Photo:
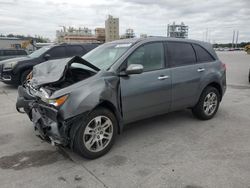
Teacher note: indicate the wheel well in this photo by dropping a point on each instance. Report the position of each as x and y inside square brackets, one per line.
[108, 105]
[217, 86]
[22, 71]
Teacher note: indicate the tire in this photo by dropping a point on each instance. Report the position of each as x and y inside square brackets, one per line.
[211, 97]
[24, 76]
[91, 140]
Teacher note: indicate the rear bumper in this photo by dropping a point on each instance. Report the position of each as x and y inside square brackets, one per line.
[46, 119]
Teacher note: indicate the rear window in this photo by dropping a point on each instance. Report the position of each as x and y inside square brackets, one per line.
[202, 54]
[180, 54]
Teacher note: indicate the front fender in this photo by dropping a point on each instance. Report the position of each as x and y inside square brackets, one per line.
[86, 98]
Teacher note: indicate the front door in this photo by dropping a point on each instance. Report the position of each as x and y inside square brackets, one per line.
[149, 93]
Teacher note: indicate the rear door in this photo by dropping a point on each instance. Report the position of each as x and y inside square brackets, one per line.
[186, 74]
[149, 93]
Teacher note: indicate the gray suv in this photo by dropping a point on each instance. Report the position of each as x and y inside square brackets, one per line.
[85, 102]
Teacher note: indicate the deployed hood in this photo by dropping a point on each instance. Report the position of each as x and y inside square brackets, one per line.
[54, 70]
[17, 59]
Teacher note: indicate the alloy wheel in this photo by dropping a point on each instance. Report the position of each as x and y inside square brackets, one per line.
[210, 103]
[98, 133]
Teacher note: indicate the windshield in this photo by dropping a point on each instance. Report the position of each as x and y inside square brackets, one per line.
[105, 55]
[39, 52]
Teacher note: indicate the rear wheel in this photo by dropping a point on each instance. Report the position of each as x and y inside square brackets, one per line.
[96, 134]
[24, 76]
[208, 104]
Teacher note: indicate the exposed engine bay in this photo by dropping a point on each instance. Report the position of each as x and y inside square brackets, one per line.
[51, 76]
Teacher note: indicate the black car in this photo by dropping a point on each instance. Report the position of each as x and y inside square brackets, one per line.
[14, 71]
[11, 53]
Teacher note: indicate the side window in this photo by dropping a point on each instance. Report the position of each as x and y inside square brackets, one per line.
[180, 54]
[57, 52]
[151, 56]
[202, 54]
[21, 52]
[75, 50]
[9, 52]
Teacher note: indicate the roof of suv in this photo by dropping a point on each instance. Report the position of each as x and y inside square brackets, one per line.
[157, 38]
[205, 45]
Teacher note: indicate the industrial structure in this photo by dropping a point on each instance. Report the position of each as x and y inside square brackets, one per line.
[143, 35]
[177, 30]
[128, 34]
[111, 28]
[75, 35]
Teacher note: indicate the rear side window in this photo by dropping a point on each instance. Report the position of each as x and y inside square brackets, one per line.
[75, 51]
[202, 55]
[58, 52]
[151, 56]
[180, 54]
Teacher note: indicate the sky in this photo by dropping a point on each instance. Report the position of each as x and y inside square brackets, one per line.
[219, 18]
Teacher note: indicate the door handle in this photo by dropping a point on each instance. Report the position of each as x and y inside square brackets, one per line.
[200, 69]
[163, 77]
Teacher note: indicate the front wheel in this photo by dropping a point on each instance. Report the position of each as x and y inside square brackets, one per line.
[208, 104]
[96, 134]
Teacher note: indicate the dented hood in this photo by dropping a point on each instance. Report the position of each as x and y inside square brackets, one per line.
[54, 70]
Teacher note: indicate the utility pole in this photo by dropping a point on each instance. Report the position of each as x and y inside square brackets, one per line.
[236, 40]
[206, 34]
[233, 39]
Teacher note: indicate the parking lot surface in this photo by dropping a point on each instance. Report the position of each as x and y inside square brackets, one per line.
[173, 150]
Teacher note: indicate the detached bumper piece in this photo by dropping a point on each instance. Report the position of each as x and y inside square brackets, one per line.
[44, 118]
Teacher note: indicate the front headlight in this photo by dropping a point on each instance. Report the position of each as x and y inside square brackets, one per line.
[9, 65]
[56, 102]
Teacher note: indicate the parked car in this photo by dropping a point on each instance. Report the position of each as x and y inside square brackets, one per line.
[84, 102]
[14, 71]
[11, 53]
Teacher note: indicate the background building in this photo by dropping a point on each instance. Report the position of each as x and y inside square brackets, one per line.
[177, 31]
[100, 34]
[111, 28]
[75, 35]
[16, 43]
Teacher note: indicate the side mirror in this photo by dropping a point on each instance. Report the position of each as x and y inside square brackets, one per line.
[134, 69]
[46, 57]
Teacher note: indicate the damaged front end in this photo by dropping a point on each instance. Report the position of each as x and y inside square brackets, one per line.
[38, 99]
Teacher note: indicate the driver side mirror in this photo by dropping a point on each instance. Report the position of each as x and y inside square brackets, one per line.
[134, 69]
[46, 57]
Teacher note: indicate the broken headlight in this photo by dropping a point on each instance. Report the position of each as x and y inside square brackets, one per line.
[56, 102]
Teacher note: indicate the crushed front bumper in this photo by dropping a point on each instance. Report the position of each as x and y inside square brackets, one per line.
[45, 118]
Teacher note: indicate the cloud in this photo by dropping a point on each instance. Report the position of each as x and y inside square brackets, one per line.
[39, 17]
